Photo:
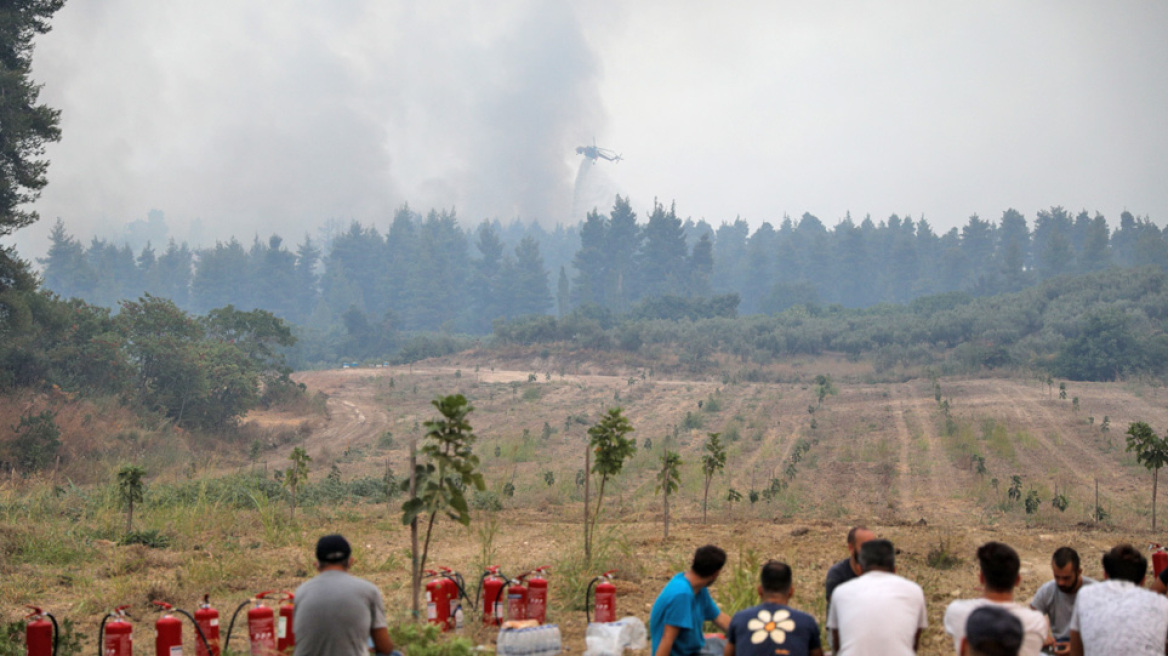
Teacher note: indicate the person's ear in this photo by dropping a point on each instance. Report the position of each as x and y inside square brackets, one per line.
[1018, 581]
[791, 592]
[964, 651]
[759, 588]
[981, 578]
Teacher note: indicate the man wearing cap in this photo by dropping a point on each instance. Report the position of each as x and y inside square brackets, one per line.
[991, 631]
[336, 612]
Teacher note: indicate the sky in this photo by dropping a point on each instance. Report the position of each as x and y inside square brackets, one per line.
[244, 118]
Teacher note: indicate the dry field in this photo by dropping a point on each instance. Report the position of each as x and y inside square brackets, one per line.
[880, 454]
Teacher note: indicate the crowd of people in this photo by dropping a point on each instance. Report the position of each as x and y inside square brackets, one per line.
[871, 610]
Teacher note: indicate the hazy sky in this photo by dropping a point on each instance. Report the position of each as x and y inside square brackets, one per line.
[260, 117]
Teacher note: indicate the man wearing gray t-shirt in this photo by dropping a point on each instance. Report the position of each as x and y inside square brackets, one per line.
[1056, 598]
[337, 613]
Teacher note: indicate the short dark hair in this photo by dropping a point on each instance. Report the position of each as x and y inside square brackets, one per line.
[993, 631]
[999, 565]
[775, 577]
[852, 533]
[1126, 563]
[878, 554]
[1064, 555]
[708, 560]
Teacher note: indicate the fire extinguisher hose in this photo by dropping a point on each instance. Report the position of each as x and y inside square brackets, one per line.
[56, 632]
[587, 596]
[198, 629]
[479, 591]
[458, 583]
[101, 635]
[231, 625]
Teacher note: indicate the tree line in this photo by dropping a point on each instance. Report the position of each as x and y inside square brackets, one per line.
[430, 273]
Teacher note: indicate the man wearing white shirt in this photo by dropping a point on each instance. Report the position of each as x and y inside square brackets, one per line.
[879, 613]
[999, 575]
[1118, 616]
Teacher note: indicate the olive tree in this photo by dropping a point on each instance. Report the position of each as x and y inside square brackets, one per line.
[607, 440]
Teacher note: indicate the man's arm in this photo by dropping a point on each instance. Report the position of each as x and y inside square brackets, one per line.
[667, 638]
[835, 645]
[722, 621]
[382, 643]
[729, 650]
[917, 641]
[1076, 644]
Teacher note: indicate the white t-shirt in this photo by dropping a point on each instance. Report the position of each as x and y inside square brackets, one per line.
[1119, 617]
[877, 614]
[1035, 628]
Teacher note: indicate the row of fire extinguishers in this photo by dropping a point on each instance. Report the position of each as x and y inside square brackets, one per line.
[270, 631]
[499, 597]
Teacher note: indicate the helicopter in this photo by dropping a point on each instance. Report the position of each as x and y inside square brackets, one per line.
[594, 153]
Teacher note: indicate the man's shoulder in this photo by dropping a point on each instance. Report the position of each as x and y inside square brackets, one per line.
[841, 569]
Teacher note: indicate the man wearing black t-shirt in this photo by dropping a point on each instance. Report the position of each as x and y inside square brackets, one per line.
[848, 568]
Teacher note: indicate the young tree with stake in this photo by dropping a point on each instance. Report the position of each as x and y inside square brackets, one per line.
[440, 484]
[608, 442]
[668, 480]
[1151, 451]
[713, 462]
[131, 490]
[295, 476]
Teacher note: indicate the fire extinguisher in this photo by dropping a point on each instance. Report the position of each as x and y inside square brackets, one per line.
[41, 635]
[605, 596]
[456, 588]
[207, 619]
[491, 585]
[439, 591]
[285, 632]
[168, 632]
[517, 599]
[1159, 559]
[261, 628]
[537, 595]
[116, 635]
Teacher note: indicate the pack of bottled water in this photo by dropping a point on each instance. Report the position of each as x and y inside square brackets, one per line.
[537, 641]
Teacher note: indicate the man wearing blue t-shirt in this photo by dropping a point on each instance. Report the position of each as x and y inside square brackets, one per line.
[773, 628]
[681, 609]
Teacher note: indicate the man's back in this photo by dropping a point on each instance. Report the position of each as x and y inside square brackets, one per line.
[335, 613]
[770, 628]
[1034, 625]
[879, 614]
[1119, 617]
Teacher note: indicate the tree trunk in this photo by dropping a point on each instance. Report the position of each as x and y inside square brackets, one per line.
[705, 497]
[1155, 481]
[666, 539]
[130, 518]
[587, 486]
[415, 573]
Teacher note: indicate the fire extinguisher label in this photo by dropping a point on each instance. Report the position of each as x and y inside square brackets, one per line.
[499, 609]
[176, 650]
[282, 629]
[431, 611]
[214, 622]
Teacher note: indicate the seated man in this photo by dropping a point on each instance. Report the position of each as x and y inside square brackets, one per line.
[999, 575]
[848, 568]
[1117, 616]
[685, 605]
[773, 627]
[1056, 598]
[991, 631]
[879, 613]
[337, 613]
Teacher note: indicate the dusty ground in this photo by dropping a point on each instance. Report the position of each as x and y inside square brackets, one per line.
[880, 454]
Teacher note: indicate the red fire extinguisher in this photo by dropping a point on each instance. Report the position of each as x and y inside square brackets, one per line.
[1159, 559]
[285, 632]
[517, 599]
[40, 634]
[116, 635]
[167, 632]
[491, 584]
[440, 590]
[207, 619]
[261, 628]
[605, 598]
[537, 595]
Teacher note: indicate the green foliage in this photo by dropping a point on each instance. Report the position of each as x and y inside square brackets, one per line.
[1032, 502]
[669, 477]
[611, 448]
[942, 556]
[130, 490]
[12, 639]
[733, 496]
[712, 404]
[1060, 502]
[151, 538]
[1062, 391]
[713, 461]
[508, 489]
[37, 442]
[693, 421]
[385, 440]
[549, 478]
[487, 500]
[824, 387]
[1015, 491]
[428, 640]
[1151, 451]
[296, 474]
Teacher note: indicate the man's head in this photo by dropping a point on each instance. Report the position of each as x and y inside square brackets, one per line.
[708, 562]
[999, 566]
[775, 579]
[333, 551]
[992, 631]
[1068, 575]
[879, 555]
[856, 539]
[1125, 563]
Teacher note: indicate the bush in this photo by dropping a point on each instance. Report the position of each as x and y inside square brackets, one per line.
[427, 640]
[941, 556]
[151, 538]
[37, 442]
[487, 500]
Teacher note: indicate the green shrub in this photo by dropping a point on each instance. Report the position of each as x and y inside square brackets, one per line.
[151, 538]
[427, 640]
[487, 500]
